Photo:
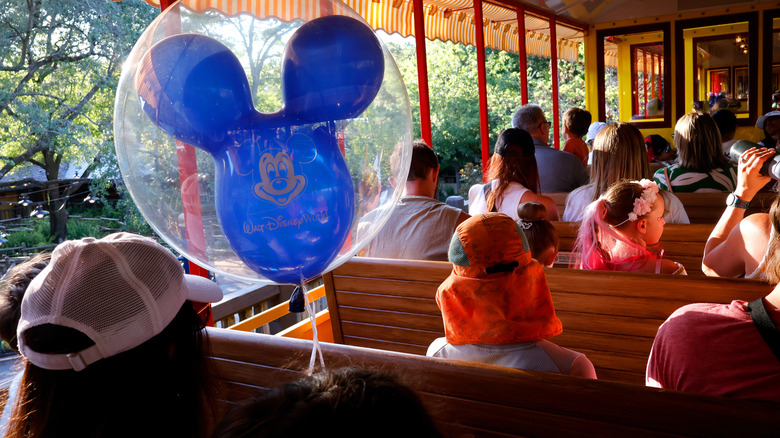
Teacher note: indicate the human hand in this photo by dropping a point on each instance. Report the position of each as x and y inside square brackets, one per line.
[750, 180]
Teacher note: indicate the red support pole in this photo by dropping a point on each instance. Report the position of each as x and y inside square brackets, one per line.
[653, 77]
[190, 193]
[521, 49]
[661, 78]
[554, 73]
[644, 77]
[484, 130]
[422, 72]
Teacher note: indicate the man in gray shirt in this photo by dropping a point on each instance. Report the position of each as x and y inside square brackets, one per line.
[558, 171]
[420, 227]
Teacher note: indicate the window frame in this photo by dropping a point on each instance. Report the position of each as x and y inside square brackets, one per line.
[766, 91]
[682, 99]
[664, 27]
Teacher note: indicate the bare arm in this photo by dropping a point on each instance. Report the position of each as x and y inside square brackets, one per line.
[549, 204]
[724, 253]
[463, 216]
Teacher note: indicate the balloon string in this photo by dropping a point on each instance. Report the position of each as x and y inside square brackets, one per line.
[316, 349]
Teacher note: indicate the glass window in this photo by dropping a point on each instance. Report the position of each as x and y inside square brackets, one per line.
[647, 74]
[717, 65]
[634, 69]
[722, 79]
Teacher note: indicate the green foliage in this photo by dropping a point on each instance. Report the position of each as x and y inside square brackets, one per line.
[59, 69]
[453, 84]
[469, 175]
[78, 228]
[32, 233]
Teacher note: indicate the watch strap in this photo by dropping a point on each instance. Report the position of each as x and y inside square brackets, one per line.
[738, 203]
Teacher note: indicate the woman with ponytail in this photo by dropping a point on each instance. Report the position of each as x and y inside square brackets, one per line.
[621, 231]
[513, 178]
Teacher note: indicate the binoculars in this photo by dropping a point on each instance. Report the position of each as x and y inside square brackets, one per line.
[770, 168]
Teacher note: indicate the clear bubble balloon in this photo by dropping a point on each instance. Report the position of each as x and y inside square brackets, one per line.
[254, 145]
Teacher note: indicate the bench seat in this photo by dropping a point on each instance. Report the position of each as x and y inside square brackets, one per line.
[612, 317]
[474, 400]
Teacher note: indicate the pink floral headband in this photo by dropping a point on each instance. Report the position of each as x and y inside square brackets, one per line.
[644, 203]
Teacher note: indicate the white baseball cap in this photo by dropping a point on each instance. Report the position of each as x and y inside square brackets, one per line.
[594, 129]
[762, 119]
[120, 291]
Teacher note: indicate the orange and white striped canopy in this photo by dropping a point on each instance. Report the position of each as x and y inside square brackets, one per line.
[446, 20]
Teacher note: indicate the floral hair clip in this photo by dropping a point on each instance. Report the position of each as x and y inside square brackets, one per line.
[644, 203]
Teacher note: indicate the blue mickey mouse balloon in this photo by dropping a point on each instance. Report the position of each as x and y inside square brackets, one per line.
[284, 195]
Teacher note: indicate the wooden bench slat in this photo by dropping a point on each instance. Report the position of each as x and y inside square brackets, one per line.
[393, 319]
[386, 345]
[470, 414]
[419, 271]
[406, 289]
[425, 306]
[595, 323]
[614, 343]
[403, 335]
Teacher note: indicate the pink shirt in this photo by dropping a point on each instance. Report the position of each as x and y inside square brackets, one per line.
[715, 349]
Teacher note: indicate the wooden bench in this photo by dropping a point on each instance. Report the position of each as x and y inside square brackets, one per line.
[683, 243]
[474, 400]
[612, 317]
[702, 208]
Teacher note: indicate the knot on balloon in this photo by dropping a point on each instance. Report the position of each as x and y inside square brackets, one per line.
[283, 192]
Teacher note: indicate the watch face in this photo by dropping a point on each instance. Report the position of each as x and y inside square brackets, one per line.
[730, 199]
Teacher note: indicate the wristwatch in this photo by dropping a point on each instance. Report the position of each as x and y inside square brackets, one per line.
[734, 201]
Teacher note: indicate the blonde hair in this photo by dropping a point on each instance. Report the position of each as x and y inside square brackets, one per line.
[698, 142]
[619, 153]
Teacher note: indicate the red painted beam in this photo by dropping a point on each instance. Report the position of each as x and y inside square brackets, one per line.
[484, 129]
[554, 74]
[422, 72]
[521, 49]
[190, 193]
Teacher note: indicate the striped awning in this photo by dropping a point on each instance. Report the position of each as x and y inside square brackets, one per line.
[445, 20]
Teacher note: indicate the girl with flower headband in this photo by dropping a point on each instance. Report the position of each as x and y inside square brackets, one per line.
[618, 228]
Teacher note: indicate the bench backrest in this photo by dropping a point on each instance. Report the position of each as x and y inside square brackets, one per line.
[702, 208]
[612, 317]
[682, 243]
[467, 400]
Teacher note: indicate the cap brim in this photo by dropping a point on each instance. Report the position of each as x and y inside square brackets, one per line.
[761, 120]
[202, 289]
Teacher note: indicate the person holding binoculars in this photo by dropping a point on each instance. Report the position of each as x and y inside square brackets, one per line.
[746, 246]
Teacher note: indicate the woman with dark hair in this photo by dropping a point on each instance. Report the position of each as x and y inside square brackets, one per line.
[513, 178]
[701, 165]
[113, 345]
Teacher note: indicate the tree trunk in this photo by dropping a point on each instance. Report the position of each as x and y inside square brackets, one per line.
[59, 224]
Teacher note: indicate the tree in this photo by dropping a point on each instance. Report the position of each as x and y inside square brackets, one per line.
[453, 83]
[59, 68]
